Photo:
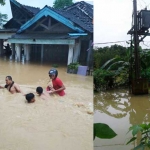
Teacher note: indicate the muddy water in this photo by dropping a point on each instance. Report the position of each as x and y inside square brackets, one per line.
[60, 123]
[120, 110]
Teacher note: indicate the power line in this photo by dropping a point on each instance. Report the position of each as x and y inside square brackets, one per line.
[112, 42]
[140, 4]
[144, 2]
[148, 5]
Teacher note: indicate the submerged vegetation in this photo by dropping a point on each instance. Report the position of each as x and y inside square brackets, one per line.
[114, 66]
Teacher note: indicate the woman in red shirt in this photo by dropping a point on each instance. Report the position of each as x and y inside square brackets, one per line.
[58, 86]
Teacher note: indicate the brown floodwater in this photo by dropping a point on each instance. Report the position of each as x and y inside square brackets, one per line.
[120, 110]
[60, 123]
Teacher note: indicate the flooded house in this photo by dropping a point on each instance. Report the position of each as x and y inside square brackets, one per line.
[60, 36]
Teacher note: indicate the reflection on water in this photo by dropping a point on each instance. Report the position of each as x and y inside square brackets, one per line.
[120, 110]
[60, 123]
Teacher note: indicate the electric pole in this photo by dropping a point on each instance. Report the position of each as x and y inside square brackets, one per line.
[140, 27]
[136, 42]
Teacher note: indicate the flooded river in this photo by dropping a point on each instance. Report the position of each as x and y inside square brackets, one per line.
[60, 123]
[120, 110]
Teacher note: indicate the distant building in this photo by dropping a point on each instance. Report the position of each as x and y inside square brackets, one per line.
[58, 36]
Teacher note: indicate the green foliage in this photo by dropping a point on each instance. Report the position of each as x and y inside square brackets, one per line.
[102, 55]
[2, 2]
[55, 65]
[3, 19]
[103, 78]
[62, 3]
[103, 131]
[73, 66]
[144, 130]
[145, 73]
[121, 62]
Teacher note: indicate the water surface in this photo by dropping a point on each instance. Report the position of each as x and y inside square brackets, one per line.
[60, 123]
[120, 110]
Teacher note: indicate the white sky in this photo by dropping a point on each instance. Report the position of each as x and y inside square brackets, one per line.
[112, 20]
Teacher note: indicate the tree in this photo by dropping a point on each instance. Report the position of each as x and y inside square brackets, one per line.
[62, 3]
[3, 19]
[2, 2]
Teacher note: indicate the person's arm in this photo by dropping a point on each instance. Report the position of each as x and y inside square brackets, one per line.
[18, 89]
[51, 88]
[2, 87]
[60, 89]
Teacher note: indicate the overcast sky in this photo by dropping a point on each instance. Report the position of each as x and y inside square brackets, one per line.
[112, 20]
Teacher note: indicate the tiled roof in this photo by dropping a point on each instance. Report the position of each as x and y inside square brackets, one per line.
[81, 13]
[86, 8]
[30, 9]
[12, 24]
[34, 10]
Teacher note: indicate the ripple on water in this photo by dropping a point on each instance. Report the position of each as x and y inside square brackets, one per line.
[53, 124]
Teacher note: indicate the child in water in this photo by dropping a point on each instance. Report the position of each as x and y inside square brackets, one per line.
[30, 98]
[43, 94]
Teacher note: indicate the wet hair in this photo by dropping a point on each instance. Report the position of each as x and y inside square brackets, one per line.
[53, 72]
[39, 90]
[9, 77]
[29, 97]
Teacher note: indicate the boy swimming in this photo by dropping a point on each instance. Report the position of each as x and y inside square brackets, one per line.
[30, 97]
[43, 94]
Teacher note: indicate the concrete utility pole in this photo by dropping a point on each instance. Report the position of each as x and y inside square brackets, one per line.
[140, 27]
[136, 42]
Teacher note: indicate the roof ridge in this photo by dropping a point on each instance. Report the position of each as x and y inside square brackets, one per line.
[86, 3]
[24, 6]
[77, 5]
[30, 6]
[80, 2]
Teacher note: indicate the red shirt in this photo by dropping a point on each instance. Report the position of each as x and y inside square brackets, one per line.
[57, 83]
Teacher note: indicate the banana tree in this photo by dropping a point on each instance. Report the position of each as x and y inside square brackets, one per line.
[120, 67]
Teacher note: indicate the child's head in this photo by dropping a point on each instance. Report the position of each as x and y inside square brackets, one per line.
[53, 73]
[30, 98]
[39, 90]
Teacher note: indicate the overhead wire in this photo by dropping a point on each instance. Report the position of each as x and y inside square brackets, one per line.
[143, 1]
[112, 42]
[139, 3]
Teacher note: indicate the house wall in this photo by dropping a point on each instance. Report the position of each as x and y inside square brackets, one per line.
[51, 53]
[84, 52]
